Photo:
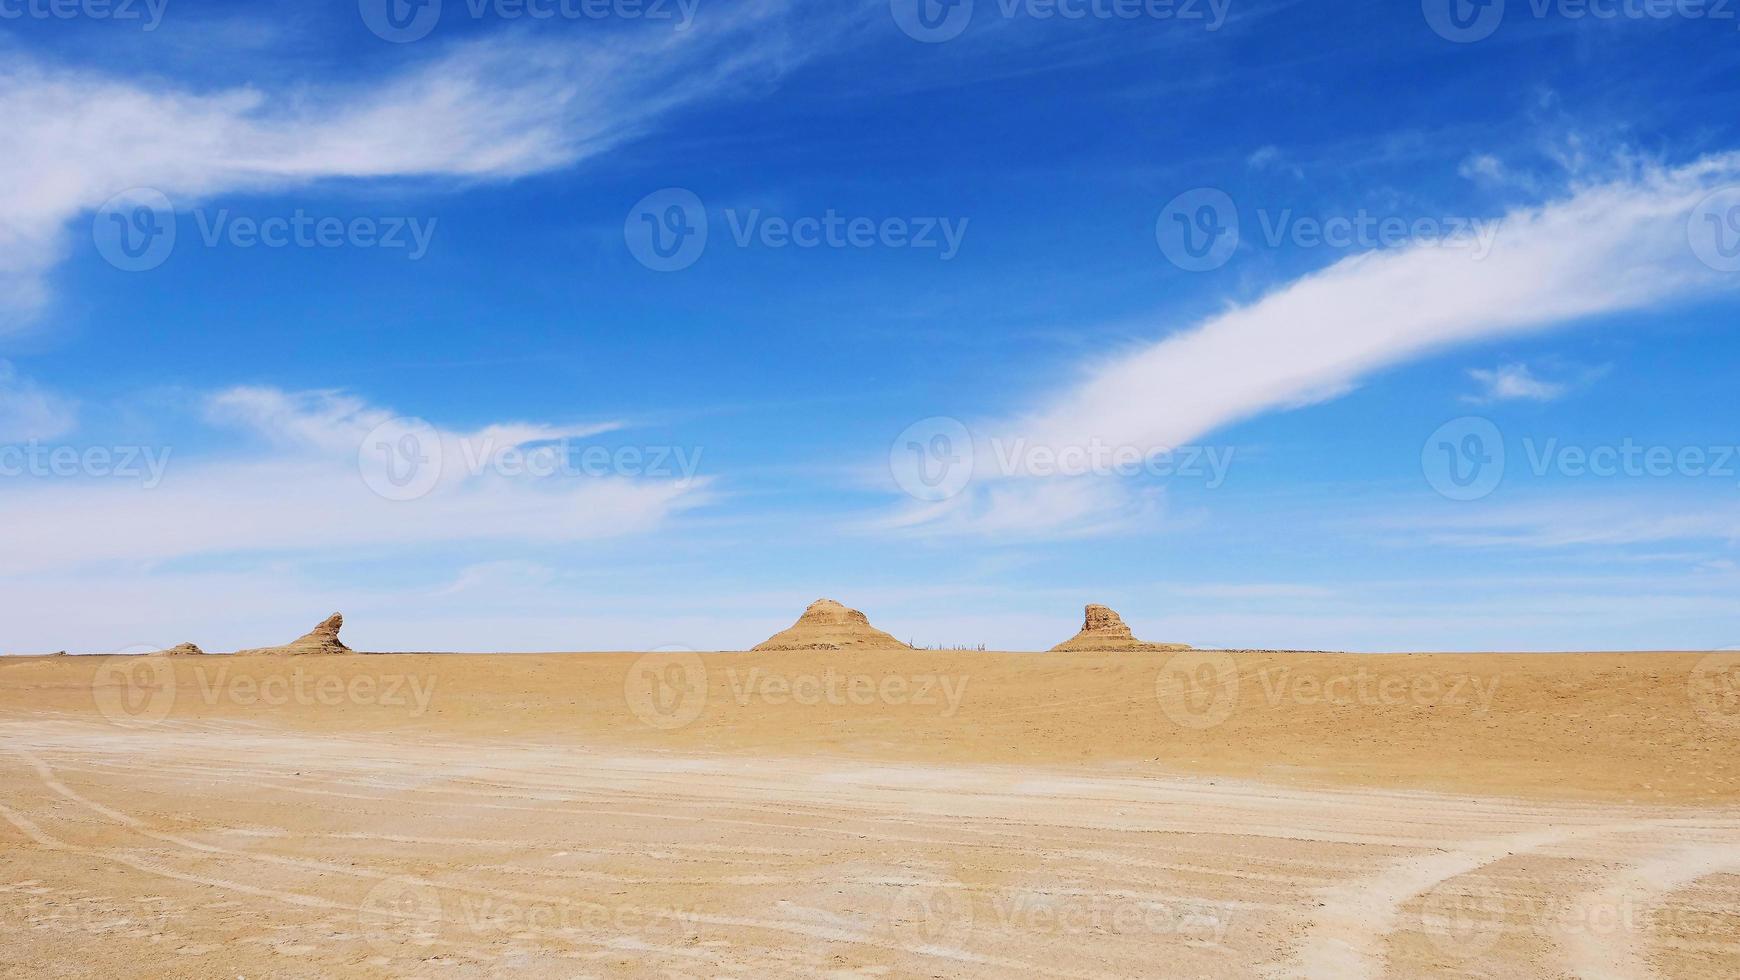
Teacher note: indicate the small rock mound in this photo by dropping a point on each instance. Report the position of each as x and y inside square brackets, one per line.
[1104, 630]
[181, 650]
[322, 640]
[828, 625]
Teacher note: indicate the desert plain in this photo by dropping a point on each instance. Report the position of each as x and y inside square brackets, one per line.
[871, 813]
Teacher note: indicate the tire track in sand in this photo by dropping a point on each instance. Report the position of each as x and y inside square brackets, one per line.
[1347, 936]
[46, 775]
[1592, 953]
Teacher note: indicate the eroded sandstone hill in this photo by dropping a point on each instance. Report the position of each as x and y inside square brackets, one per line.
[323, 639]
[1104, 630]
[828, 625]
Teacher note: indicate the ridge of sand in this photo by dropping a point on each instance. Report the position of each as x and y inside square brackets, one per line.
[322, 640]
[1615, 727]
[1104, 630]
[828, 625]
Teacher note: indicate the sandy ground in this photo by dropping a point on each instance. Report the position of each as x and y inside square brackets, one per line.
[871, 815]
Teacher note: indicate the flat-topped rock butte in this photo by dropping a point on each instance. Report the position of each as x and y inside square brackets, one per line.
[1103, 630]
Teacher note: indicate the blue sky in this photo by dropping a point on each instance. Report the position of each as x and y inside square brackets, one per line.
[1022, 187]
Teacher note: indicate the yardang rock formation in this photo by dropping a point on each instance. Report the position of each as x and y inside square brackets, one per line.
[1104, 631]
[322, 640]
[827, 625]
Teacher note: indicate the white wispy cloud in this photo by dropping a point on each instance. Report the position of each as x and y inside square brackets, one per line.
[1519, 382]
[1484, 167]
[1602, 248]
[1256, 590]
[495, 108]
[1270, 159]
[30, 412]
[1566, 523]
[336, 422]
[314, 483]
[1083, 506]
[1510, 382]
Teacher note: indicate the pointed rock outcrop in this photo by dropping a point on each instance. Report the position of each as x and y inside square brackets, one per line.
[1104, 630]
[181, 650]
[323, 639]
[828, 625]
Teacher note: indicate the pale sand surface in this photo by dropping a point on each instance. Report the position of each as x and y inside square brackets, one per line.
[923, 815]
